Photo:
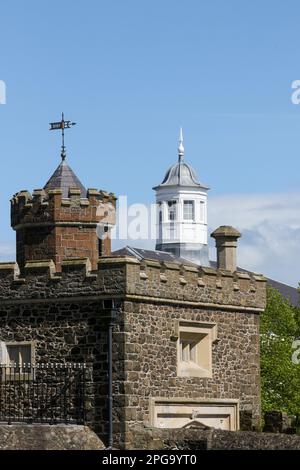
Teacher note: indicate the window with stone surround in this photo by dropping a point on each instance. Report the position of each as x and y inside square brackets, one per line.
[194, 348]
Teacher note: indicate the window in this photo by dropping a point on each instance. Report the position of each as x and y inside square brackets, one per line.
[160, 225]
[188, 210]
[172, 210]
[202, 212]
[18, 354]
[172, 213]
[18, 357]
[188, 349]
[195, 348]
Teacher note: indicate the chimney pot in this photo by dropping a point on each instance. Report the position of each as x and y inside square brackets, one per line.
[226, 243]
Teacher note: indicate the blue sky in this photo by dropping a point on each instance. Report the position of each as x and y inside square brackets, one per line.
[130, 73]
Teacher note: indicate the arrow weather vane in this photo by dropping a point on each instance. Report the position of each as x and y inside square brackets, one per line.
[62, 125]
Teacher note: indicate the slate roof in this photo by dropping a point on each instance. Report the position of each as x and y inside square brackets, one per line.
[289, 292]
[156, 255]
[64, 178]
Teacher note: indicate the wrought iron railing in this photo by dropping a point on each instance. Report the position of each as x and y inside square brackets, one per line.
[43, 393]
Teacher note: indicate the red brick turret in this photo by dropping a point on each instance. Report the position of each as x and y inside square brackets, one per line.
[60, 221]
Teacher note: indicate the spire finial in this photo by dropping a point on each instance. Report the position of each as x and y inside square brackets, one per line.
[180, 146]
[62, 125]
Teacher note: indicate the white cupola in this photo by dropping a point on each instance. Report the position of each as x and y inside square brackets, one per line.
[182, 212]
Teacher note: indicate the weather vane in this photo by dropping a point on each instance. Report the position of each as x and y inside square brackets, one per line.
[62, 125]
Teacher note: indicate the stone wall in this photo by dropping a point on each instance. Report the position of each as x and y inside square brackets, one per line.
[121, 276]
[66, 332]
[151, 359]
[209, 439]
[177, 282]
[66, 314]
[45, 437]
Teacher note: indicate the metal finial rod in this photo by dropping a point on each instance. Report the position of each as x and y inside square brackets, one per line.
[180, 146]
[63, 148]
[62, 125]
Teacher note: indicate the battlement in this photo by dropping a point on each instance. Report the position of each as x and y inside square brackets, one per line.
[41, 207]
[49, 226]
[127, 277]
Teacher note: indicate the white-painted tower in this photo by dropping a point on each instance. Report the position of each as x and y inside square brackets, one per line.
[182, 212]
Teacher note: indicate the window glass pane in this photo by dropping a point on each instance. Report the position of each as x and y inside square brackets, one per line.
[202, 210]
[172, 213]
[193, 351]
[13, 354]
[25, 354]
[185, 351]
[188, 210]
[172, 210]
[19, 354]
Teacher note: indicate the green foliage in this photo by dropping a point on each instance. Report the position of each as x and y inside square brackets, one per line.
[280, 378]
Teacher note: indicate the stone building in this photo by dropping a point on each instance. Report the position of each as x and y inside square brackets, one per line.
[186, 336]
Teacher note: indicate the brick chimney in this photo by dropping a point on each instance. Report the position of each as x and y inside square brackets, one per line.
[226, 243]
[60, 221]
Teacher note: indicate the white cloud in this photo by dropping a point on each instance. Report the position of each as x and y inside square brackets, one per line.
[270, 226]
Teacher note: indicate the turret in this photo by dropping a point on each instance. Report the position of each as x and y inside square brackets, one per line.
[182, 212]
[60, 221]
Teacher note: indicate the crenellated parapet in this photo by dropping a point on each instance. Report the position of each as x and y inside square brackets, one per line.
[127, 277]
[43, 207]
[50, 226]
